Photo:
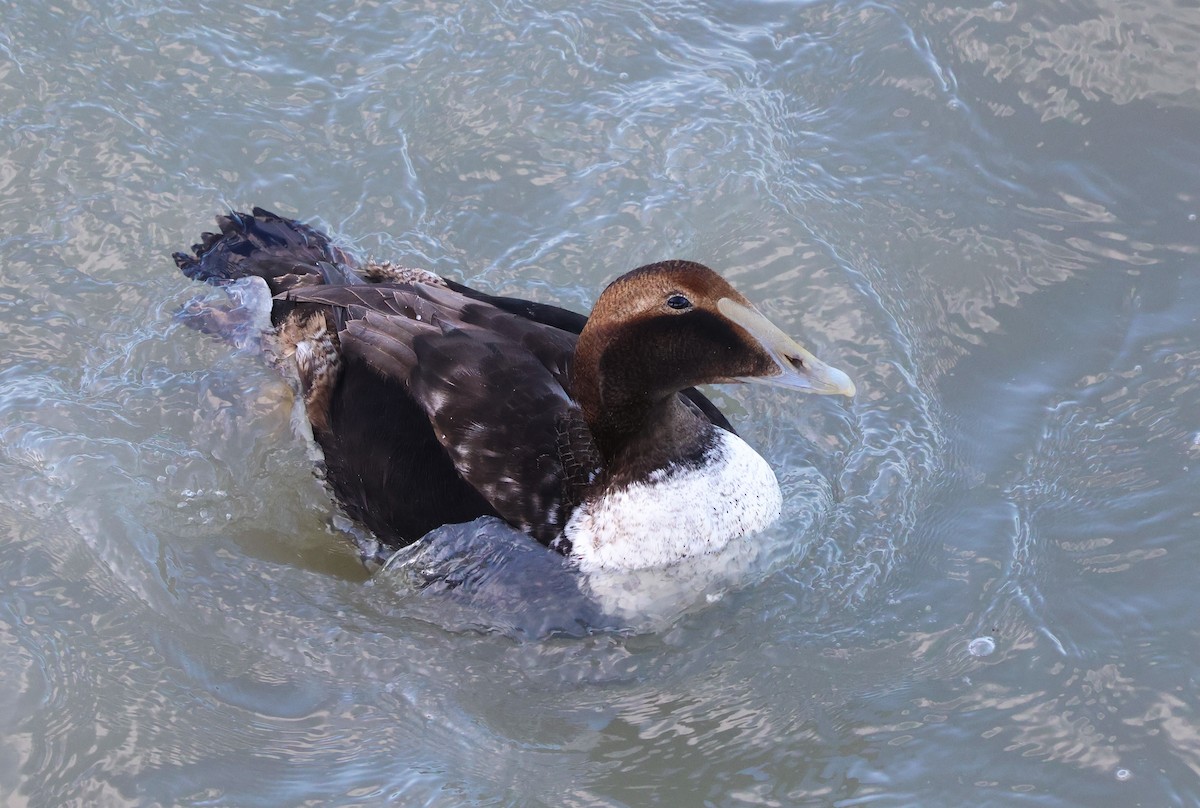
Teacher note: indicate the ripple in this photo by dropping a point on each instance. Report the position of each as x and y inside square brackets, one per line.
[942, 200]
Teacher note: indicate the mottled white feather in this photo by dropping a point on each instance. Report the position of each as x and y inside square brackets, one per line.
[680, 512]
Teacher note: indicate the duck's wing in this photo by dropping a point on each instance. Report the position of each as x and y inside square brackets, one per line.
[491, 383]
[573, 322]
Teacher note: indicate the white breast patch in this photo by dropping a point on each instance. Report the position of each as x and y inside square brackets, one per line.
[679, 513]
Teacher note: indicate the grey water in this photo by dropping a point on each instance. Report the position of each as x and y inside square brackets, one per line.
[983, 590]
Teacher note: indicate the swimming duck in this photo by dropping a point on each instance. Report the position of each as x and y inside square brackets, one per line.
[434, 403]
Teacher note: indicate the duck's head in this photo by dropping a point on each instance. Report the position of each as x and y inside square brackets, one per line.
[672, 325]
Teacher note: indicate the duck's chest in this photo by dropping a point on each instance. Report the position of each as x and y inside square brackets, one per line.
[679, 512]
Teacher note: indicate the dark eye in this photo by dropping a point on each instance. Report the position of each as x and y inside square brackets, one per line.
[679, 302]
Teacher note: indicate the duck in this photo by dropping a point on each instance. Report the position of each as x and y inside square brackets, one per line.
[434, 403]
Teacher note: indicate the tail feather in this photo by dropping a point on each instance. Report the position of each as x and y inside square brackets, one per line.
[284, 255]
[283, 252]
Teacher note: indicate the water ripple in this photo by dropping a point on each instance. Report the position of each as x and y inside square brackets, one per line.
[941, 199]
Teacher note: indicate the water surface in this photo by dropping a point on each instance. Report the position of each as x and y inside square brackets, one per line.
[982, 590]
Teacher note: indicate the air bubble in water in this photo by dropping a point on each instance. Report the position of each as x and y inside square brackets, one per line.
[981, 646]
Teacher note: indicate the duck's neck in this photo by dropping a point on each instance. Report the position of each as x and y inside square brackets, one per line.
[634, 416]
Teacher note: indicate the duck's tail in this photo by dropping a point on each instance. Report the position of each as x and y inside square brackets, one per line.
[256, 257]
[282, 252]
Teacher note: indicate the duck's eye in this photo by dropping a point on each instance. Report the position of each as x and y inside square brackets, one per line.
[679, 302]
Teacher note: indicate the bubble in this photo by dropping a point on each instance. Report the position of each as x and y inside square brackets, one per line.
[1124, 774]
[981, 646]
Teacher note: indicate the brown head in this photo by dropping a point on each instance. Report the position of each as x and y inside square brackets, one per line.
[672, 325]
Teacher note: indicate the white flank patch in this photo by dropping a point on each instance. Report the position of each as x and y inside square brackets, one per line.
[679, 513]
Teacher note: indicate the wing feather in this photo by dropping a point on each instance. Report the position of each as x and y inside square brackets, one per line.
[492, 384]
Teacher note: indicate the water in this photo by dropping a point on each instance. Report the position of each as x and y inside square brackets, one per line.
[986, 213]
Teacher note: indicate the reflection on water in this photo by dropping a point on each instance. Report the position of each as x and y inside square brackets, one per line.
[987, 215]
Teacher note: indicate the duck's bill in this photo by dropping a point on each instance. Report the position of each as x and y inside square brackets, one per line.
[797, 368]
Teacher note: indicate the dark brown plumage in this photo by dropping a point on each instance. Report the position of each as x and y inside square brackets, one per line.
[435, 403]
